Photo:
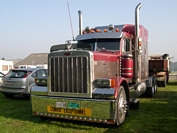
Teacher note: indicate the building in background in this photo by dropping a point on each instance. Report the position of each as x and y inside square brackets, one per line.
[35, 60]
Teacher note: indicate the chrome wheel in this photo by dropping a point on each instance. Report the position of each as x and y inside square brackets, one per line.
[121, 106]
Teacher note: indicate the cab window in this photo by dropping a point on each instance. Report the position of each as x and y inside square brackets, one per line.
[126, 46]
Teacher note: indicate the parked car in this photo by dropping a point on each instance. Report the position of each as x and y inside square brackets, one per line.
[17, 81]
[1, 75]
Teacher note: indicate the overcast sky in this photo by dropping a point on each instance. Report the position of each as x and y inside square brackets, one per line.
[33, 26]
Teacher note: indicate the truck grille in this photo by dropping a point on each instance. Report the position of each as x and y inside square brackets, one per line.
[69, 74]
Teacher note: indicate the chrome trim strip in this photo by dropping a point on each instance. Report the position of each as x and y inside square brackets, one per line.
[104, 91]
[127, 68]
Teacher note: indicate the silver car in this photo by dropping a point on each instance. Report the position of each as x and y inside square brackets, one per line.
[17, 81]
[1, 75]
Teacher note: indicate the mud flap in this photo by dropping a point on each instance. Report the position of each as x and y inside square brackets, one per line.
[134, 104]
[150, 91]
[151, 87]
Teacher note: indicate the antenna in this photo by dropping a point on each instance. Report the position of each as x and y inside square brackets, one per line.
[71, 23]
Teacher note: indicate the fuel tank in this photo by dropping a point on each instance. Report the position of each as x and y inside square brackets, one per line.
[127, 66]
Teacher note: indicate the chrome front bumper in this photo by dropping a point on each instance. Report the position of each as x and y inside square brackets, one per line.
[95, 110]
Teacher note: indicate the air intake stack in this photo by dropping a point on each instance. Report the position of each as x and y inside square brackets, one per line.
[137, 62]
[80, 22]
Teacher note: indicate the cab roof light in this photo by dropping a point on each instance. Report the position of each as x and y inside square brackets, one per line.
[116, 30]
[83, 32]
[92, 31]
[98, 30]
[105, 30]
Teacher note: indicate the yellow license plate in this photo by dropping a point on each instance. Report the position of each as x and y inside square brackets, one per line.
[78, 112]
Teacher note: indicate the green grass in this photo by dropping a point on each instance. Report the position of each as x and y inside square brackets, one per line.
[156, 115]
[173, 72]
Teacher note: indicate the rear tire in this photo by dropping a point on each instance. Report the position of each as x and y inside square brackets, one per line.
[9, 95]
[121, 106]
[163, 83]
[150, 91]
[158, 83]
[167, 80]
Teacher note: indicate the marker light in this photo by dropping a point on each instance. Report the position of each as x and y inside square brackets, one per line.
[92, 31]
[140, 41]
[97, 30]
[117, 30]
[83, 32]
[67, 54]
[105, 30]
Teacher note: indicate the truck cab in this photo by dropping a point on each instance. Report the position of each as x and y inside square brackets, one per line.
[97, 78]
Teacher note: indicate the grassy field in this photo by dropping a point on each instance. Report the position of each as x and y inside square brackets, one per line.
[156, 115]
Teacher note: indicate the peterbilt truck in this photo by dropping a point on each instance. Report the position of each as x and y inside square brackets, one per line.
[98, 78]
[159, 67]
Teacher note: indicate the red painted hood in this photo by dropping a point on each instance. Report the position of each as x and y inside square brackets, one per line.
[106, 56]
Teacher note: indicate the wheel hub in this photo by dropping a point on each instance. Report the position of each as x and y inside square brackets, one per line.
[122, 106]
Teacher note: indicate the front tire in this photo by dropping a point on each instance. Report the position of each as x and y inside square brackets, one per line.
[121, 106]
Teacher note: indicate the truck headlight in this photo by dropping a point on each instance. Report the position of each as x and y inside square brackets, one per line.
[41, 81]
[104, 83]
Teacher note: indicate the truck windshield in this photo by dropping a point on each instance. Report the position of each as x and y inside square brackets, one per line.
[99, 44]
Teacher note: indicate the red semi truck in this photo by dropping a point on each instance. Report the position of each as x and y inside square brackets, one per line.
[98, 78]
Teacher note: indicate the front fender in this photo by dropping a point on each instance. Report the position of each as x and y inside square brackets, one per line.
[120, 81]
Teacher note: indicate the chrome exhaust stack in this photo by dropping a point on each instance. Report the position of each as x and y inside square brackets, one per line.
[80, 22]
[137, 66]
[137, 19]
